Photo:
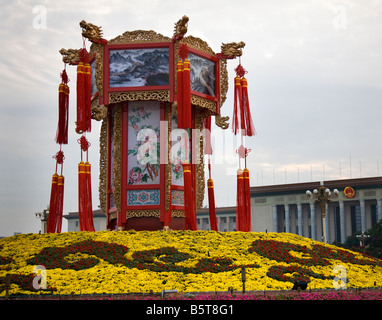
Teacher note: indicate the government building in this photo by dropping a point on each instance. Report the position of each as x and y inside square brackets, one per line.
[287, 208]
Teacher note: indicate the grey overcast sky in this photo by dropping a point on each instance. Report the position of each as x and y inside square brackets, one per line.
[314, 75]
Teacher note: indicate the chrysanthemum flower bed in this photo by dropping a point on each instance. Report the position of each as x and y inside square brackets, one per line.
[186, 261]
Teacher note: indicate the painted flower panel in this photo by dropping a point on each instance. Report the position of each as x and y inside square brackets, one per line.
[144, 143]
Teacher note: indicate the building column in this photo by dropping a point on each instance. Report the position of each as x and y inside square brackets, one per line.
[287, 226]
[274, 211]
[313, 220]
[379, 209]
[342, 221]
[363, 216]
[299, 219]
[327, 224]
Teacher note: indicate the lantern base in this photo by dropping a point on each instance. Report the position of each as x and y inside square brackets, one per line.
[152, 224]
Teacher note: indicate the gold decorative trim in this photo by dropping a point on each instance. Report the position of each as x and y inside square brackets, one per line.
[199, 167]
[117, 171]
[70, 56]
[142, 213]
[180, 28]
[198, 44]
[232, 49]
[139, 36]
[97, 49]
[112, 215]
[159, 95]
[204, 103]
[91, 31]
[103, 164]
[177, 213]
[98, 112]
[223, 81]
[168, 165]
[221, 121]
[99, 72]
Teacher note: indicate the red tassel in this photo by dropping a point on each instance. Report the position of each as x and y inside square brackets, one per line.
[240, 221]
[211, 205]
[83, 93]
[60, 203]
[52, 206]
[236, 105]
[89, 197]
[179, 74]
[82, 195]
[63, 110]
[85, 210]
[249, 127]
[186, 94]
[189, 205]
[80, 97]
[247, 200]
[56, 197]
[88, 98]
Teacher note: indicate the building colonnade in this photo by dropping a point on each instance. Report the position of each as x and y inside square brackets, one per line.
[343, 218]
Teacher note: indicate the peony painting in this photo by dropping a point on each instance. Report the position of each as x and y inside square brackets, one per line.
[143, 143]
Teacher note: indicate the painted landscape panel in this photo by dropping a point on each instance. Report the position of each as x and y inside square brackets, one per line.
[202, 75]
[139, 67]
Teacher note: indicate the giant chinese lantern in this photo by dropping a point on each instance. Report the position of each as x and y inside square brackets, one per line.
[153, 94]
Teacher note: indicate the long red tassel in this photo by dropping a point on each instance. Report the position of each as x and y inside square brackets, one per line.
[189, 205]
[210, 183]
[85, 210]
[249, 127]
[236, 105]
[179, 86]
[52, 205]
[186, 94]
[80, 97]
[63, 110]
[247, 200]
[60, 202]
[89, 197]
[82, 195]
[211, 205]
[83, 93]
[240, 221]
[56, 197]
[88, 98]
[246, 128]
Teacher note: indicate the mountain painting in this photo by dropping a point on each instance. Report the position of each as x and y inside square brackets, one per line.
[202, 75]
[139, 67]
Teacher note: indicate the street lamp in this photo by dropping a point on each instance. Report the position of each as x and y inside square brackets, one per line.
[322, 195]
[43, 216]
[362, 237]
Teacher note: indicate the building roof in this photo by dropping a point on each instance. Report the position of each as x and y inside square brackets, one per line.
[96, 214]
[219, 210]
[293, 188]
